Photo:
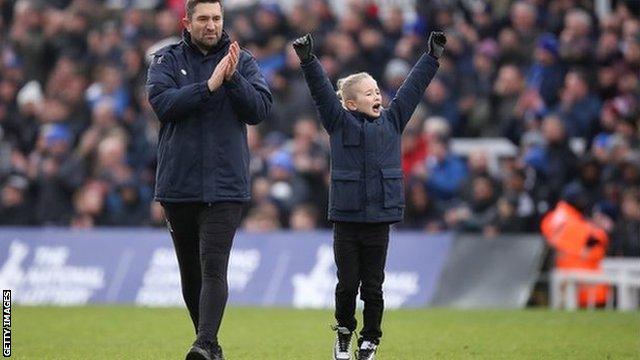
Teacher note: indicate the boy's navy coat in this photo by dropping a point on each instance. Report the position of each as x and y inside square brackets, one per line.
[366, 176]
[203, 154]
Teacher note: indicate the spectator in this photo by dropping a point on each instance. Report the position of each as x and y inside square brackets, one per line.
[310, 163]
[518, 205]
[110, 87]
[579, 108]
[439, 101]
[482, 20]
[103, 124]
[288, 187]
[575, 42]
[260, 193]
[263, 218]
[554, 163]
[395, 73]
[89, 206]
[26, 37]
[127, 204]
[56, 173]
[156, 215]
[511, 52]
[507, 89]
[304, 217]
[546, 74]
[588, 181]
[478, 164]
[523, 21]
[442, 172]
[289, 102]
[15, 209]
[110, 165]
[628, 171]
[475, 102]
[506, 219]
[376, 55]
[422, 212]
[6, 163]
[414, 150]
[393, 24]
[478, 211]
[626, 235]
[23, 130]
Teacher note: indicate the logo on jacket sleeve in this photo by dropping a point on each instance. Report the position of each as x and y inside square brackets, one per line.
[183, 71]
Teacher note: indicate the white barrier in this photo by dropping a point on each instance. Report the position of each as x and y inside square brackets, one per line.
[621, 273]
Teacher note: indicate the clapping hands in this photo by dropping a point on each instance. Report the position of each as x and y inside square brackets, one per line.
[232, 62]
[225, 68]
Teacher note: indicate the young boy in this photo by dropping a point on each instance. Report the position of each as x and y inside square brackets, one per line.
[366, 182]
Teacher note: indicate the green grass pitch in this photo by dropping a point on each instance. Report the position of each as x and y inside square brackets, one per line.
[263, 334]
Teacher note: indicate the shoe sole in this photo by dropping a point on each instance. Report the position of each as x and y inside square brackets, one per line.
[196, 356]
[356, 356]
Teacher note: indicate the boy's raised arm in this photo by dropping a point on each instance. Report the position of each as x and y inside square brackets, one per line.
[322, 91]
[408, 96]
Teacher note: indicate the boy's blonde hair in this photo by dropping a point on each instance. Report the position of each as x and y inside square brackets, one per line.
[345, 85]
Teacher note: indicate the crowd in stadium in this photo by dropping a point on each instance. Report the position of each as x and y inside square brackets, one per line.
[558, 79]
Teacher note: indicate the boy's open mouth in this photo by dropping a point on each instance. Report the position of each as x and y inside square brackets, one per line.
[377, 107]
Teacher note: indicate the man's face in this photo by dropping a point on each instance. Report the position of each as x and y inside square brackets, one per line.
[576, 85]
[205, 25]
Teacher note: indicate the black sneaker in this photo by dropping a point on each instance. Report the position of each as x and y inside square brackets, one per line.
[198, 352]
[216, 352]
[367, 350]
[342, 347]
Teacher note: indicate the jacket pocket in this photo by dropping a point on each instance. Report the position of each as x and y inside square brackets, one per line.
[392, 188]
[346, 190]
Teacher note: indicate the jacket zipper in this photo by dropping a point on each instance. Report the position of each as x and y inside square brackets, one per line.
[366, 156]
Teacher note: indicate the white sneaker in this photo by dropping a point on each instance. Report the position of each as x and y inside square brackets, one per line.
[342, 347]
[367, 351]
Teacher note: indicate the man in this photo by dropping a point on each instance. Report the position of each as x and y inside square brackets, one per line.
[204, 90]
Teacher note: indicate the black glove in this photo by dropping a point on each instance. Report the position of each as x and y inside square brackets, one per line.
[436, 44]
[303, 47]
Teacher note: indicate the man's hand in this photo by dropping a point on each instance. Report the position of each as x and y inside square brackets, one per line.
[232, 64]
[303, 47]
[218, 75]
[436, 43]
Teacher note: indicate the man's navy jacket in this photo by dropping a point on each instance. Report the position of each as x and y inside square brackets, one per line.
[366, 176]
[203, 154]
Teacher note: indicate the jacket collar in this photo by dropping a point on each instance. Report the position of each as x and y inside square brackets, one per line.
[364, 117]
[222, 45]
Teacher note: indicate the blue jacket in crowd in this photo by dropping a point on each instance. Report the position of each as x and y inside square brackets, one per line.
[203, 154]
[446, 176]
[366, 176]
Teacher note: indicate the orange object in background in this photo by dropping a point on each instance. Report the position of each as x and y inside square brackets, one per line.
[579, 245]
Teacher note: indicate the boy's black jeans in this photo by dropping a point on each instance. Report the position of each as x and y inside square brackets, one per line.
[360, 251]
[202, 236]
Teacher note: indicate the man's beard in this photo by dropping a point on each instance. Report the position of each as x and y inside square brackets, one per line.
[206, 45]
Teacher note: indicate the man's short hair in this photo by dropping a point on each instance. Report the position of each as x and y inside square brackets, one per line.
[190, 6]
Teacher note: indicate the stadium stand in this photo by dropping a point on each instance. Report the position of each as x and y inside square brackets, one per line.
[77, 143]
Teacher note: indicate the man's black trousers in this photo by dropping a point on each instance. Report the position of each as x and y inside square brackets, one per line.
[360, 251]
[202, 235]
